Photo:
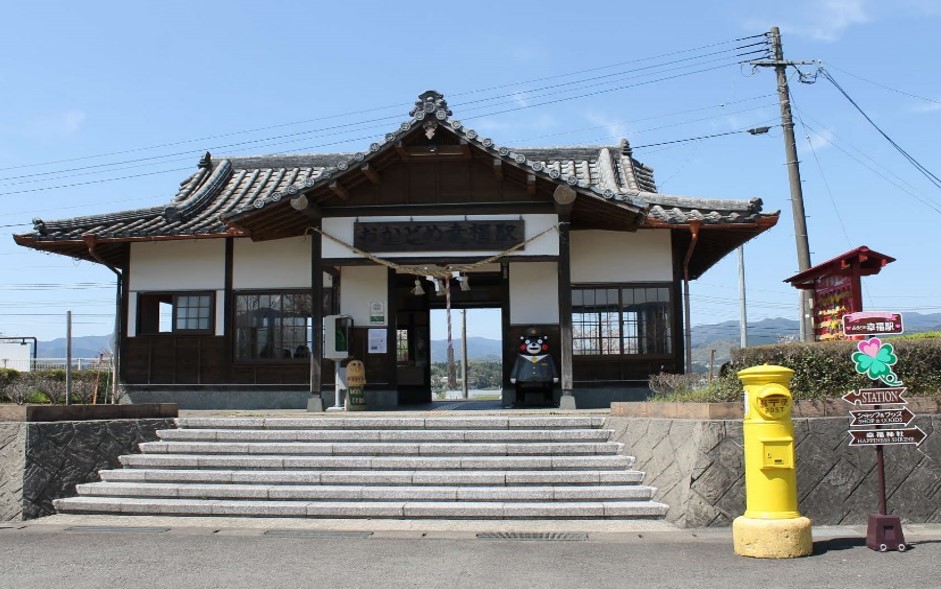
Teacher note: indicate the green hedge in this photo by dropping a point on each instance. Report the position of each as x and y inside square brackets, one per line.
[825, 369]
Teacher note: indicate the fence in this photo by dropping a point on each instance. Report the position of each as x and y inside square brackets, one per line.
[38, 364]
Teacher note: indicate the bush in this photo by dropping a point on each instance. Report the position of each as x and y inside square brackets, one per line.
[48, 386]
[822, 370]
[825, 369]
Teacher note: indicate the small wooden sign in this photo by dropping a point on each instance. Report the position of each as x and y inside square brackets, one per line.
[881, 396]
[898, 417]
[887, 437]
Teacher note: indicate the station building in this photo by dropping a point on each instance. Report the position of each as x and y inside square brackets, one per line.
[220, 291]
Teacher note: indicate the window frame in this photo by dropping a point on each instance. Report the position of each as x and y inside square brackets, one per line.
[150, 326]
[294, 358]
[599, 341]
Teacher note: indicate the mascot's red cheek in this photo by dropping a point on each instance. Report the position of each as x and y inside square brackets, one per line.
[545, 347]
[522, 347]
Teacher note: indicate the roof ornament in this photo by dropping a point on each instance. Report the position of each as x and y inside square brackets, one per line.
[430, 102]
[39, 226]
[205, 161]
[626, 148]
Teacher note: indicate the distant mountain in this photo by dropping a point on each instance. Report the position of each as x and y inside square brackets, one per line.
[478, 348]
[88, 346]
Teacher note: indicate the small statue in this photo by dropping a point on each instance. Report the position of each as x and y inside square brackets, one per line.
[534, 370]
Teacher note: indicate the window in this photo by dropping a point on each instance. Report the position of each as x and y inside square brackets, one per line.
[628, 320]
[175, 313]
[272, 325]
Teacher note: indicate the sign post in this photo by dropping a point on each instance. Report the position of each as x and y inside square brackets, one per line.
[876, 425]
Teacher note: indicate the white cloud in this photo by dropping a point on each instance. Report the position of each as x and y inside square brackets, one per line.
[822, 20]
[926, 107]
[818, 140]
[520, 99]
[56, 125]
[616, 130]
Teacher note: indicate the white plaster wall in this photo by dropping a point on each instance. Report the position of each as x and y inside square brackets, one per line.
[534, 293]
[279, 263]
[360, 286]
[197, 264]
[546, 245]
[615, 256]
[176, 266]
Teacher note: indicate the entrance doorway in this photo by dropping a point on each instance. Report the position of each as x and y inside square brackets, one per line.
[421, 338]
[480, 378]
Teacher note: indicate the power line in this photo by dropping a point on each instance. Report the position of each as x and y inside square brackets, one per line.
[376, 109]
[884, 87]
[934, 179]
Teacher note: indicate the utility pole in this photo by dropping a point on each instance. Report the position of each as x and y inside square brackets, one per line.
[793, 171]
[742, 314]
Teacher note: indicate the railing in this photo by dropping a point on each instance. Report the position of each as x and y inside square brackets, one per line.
[38, 364]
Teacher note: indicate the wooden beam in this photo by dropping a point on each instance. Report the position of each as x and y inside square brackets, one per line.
[531, 184]
[338, 190]
[437, 151]
[400, 149]
[498, 169]
[369, 173]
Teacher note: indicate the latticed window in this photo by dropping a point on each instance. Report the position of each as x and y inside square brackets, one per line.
[629, 320]
[272, 325]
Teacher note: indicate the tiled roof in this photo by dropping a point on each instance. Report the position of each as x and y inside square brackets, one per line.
[232, 187]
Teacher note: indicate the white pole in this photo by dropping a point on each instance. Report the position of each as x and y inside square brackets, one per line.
[68, 357]
[464, 350]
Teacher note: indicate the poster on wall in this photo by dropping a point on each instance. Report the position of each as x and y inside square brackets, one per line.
[377, 313]
[376, 342]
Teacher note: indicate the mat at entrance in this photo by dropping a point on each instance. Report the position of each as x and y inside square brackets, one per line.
[455, 406]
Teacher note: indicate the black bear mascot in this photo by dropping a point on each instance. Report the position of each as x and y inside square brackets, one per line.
[534, 374]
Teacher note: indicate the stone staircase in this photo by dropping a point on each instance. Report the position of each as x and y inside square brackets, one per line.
[448, 467]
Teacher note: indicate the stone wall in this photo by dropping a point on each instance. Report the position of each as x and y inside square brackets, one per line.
[44, 461]
[12, 452]
[698, 468]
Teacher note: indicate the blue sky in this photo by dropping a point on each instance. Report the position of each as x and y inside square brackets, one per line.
[104, 85]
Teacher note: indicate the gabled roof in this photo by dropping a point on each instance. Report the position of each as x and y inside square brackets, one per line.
[861, 260]
[229, 197]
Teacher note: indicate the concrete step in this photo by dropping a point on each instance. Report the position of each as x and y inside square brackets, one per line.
[456, 462]
[319, 421]
[365, 509]
[368, 493]
[364, 435]
[386, 478]
[384, 449]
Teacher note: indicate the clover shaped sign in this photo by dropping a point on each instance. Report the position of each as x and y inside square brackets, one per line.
[875, 360]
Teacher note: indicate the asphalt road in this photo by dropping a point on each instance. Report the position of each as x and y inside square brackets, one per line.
[59, 557]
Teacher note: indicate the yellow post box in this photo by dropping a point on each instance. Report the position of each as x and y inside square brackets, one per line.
[772, 526]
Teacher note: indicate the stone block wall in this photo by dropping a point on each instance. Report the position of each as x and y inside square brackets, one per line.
[43, 461]
[698, 468]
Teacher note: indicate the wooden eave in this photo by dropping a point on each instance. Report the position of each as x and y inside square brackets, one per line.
[715, 240]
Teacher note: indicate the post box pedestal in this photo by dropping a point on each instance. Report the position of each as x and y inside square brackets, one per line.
[772, 538]
[885, 533]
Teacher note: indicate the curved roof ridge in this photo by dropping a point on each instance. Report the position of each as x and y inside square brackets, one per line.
[202, 196]
[431, 112]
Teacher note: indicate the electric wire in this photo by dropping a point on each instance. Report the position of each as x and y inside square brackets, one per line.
[373, 109]
[883, 86]
[918, 166]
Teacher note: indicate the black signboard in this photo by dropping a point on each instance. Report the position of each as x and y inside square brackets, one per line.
[433, 236]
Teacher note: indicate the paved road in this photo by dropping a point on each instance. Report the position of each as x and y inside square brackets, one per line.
[53, 556]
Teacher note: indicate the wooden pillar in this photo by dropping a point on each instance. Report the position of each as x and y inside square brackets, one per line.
[392, 341]
[315, 403]
[564, 198]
